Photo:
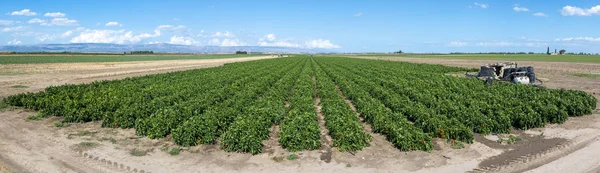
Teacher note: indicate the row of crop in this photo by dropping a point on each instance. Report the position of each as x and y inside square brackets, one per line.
[397, 129]
[436, 125]
[206, 128]
[249, 130]
[300, 128]
[481, 109]
[107, 99]
[341, 121]
[160, 123]
[522, 106]
[168, 99]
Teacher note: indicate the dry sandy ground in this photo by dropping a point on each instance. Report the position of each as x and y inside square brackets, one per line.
[39, 76]
[38, 146]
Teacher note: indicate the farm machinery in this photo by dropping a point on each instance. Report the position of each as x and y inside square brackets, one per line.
[507, 71]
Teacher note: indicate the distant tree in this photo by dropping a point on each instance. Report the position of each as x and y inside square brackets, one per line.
[562, 51]
[531, 53]
[548, 51]
[241, 52]
[399, 52]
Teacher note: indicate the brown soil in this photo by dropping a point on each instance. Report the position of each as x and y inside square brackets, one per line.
[325, 138]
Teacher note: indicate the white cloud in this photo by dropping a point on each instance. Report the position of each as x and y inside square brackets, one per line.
[24, 12]
[223, 34]
[578, 39]
[358, 14]
[55, 14]
[481, 5]
[520, 9]
[14, 42]
[112, 36]
[270, 37]
[576, 11]
[279, 44]
[62, 22]
[170, 27]
[182, 40]
[36, 20]
[226, 42]
[46, 37]
[319, 43]
[113, 24]
[176, 19]
[66, 34]
[6, 22]
[13, 29]
[232, 42]
[540, 14]
[458, 44]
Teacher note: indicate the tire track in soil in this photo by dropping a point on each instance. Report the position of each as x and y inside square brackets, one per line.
[326, 151]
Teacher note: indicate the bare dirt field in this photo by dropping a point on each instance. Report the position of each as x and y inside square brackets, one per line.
[39, 146]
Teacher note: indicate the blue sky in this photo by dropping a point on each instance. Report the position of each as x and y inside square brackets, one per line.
[346, 26]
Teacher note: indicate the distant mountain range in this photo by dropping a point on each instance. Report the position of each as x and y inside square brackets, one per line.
[161, 47]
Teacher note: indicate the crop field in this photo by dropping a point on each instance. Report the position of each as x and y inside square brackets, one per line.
[238, 103]
[502, 57]
[43, 59]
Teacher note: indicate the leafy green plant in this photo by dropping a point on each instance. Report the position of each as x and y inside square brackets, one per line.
[292, 157]
[35, 117]
[512, 139]
[88, 144]
[58, 124]
[19, 86]
[175, 151]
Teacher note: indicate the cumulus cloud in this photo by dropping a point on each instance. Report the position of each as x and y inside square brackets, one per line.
[182, 40]
[578, 39]
[481, 5]
[279, 44]
[270, 37]
[170, 27]
[62, 22]
[319, 43]
[540, 14]
[36, 20]
[14, 42]
[113, 24]
[13, 29]
[223, 34]
[112, 36]
[576, 11]
[457, 44]
[24, 12]
[520, 9]
[55, 14]
[6, 22]
[66, 34]
[358, 14]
